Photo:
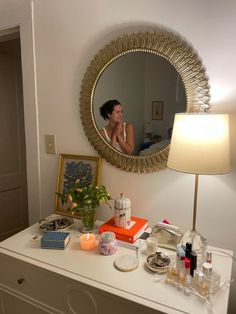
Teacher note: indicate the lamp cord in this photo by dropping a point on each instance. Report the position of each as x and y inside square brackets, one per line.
[230, 255]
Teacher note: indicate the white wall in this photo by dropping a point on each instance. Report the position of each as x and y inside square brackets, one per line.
[161, 84]
[69, 33]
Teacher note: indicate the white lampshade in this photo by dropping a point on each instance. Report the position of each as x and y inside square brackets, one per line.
[200, 143]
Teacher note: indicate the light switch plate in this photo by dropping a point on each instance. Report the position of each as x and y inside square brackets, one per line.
[50, 144]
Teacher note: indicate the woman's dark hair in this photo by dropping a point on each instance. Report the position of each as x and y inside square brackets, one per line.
[108, 107]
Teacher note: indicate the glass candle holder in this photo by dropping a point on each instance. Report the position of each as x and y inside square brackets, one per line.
[151, 245]
[88, 241]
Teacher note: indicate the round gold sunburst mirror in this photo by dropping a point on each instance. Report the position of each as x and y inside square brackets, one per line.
[153, 75]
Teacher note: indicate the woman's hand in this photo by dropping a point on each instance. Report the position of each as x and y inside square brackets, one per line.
[119, 127]
[117, 130]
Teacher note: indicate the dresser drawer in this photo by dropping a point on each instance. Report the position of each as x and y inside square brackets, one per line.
[60, 293]
[51, 289]
[33, 282]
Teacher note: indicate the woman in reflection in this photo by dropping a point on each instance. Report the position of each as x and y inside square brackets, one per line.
[117, 133]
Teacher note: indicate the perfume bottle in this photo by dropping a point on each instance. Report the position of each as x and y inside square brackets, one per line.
[199, 284]
[171, 276]
[212, 278]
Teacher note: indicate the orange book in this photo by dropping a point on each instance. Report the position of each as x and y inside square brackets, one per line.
[137, 227]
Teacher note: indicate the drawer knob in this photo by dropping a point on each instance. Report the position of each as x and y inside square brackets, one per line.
[20, 281]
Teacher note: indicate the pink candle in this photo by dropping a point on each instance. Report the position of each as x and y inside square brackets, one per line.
[87, 241]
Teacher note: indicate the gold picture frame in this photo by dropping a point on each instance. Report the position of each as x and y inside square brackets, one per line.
[157, 110]
[71, 168]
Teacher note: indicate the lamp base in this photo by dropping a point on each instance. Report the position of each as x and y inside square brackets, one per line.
[199, 243]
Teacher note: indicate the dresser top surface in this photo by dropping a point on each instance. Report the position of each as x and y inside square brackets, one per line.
[94, 269]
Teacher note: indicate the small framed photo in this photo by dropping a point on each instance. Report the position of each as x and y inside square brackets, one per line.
[157, 110]
[71, 168]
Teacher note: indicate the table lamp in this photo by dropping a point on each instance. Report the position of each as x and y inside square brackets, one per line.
[199, 145]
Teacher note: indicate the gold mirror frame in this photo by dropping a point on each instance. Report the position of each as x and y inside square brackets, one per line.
[179, 54]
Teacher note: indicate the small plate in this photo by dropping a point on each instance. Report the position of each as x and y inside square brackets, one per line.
[56, 224]
[158, 262]
[126, 262]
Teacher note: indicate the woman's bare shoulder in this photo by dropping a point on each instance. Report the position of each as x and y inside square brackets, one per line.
[128, 125]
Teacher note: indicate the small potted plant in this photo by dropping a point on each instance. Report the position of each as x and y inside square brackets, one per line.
[85, 200]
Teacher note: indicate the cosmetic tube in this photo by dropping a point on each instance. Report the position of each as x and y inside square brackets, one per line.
[187, 277]
[193, 264]
[180, 256]
[192, 255]
[209, 257]
[188, 248]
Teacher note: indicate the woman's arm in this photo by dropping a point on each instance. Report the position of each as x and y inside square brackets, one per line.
[128, 145]
[114, 135]
[102, 132]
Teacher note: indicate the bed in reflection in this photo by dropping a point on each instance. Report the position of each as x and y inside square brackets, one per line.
[154, 148]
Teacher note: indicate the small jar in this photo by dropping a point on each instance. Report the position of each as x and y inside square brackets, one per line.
[151, 245]
[108, 243]
[122, 212]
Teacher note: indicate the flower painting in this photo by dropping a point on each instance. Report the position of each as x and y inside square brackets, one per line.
[74, 170]
[73, 167]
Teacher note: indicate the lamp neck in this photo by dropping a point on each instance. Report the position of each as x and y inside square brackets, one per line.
[195, 202]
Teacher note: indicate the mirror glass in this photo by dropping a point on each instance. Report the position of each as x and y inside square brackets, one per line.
[150, 91]
[153, 75]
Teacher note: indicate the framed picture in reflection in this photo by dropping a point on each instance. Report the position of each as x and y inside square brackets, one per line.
[157, 110]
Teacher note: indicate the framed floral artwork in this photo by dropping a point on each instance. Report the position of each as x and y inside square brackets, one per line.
[157, 110]
[71, 168]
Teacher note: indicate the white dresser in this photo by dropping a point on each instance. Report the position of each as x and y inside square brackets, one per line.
[35, 281]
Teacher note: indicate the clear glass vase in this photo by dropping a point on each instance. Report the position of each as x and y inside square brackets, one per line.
[87, 215]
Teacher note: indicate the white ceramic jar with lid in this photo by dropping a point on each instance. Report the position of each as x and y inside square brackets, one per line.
[122, 212]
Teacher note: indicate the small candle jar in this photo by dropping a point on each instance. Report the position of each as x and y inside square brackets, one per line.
[108, 244]
[87, 241]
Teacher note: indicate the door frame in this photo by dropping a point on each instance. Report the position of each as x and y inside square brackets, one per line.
[23, 17]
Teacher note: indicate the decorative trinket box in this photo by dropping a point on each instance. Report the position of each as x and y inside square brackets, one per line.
[168, 236]
[122, 212]
[55, 240]
[108, 244]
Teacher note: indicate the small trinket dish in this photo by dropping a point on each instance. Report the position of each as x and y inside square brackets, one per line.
[56, 224]
[158, 262]
[126, 262]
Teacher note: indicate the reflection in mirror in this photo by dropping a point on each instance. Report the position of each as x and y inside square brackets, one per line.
[138, 80]
[118, 133]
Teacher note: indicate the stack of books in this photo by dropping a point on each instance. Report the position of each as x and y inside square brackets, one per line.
[136, 228]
